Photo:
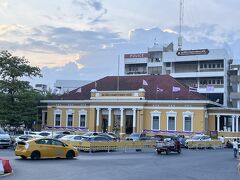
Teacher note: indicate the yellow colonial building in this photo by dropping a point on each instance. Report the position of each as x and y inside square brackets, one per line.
[129, 104]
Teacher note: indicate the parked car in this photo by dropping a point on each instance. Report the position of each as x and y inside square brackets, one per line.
[58, 136]
[198, 138]
[89, 134]
[26, 137]
[168, 144]
[45, 148]
[108, 136]
[5, 139]
[71, 138]
[95, 139]
[137, 137]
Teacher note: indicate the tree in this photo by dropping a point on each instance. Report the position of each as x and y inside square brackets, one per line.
[18, 100]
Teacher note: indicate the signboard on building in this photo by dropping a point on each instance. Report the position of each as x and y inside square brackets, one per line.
[192, 52]
[214, 134]
[139, 55]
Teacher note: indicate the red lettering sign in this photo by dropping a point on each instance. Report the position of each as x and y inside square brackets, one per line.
[139, 55]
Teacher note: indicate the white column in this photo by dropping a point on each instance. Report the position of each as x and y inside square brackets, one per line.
[134, 119]
[121, 121]
[233, 123]
[109, 118]
[97, 122]
[218, 122]
[43, 119]
[237, 123]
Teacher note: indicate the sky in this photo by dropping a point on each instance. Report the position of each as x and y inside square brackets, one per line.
[82, 39]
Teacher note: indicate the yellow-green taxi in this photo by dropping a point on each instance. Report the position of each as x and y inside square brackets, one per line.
[45, 148]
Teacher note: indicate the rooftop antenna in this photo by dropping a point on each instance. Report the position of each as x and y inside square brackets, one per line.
[181, 12]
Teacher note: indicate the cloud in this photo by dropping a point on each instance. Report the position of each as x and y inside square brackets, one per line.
[95, 7]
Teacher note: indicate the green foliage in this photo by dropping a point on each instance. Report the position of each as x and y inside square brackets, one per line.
[18, 101]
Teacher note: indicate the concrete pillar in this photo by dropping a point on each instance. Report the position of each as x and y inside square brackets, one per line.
[134, 119]
[109, 119]
[43, 119]
[233, 123]
[121, 120]
[237, 117]
[98, 119]
[218, 122]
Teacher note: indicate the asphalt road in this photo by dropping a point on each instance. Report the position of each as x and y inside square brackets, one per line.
[147, 165]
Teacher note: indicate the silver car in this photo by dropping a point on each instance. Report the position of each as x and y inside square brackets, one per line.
[5, 139]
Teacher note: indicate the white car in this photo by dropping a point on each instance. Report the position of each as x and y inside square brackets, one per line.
[5, 139]
[26, 137]
[198, 138]
[71, 138]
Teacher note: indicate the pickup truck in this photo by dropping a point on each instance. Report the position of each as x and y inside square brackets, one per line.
[168, 145]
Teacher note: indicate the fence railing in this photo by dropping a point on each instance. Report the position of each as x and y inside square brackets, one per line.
[214, 144]
[137, 145]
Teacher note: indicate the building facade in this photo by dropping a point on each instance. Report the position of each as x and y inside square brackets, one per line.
[205, 69]
[129, 104]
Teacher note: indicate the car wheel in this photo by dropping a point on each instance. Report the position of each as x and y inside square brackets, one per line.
[159, 152]
[5, 147]
[35, 155]
[70, 155]
[23, 157]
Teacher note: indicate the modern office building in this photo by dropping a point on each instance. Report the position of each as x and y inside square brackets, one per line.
[207, 70]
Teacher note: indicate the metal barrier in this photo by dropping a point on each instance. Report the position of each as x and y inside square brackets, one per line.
[110, 146]
[137, 145]
[214, 144]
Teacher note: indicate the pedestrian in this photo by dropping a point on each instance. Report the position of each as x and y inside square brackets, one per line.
[222, 139]
[235, 148]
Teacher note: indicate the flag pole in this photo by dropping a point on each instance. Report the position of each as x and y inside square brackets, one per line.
[118, 74]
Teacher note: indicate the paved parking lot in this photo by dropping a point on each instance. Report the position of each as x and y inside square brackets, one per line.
[190, 165]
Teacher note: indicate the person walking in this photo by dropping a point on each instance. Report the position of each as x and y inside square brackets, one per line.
[222, 140]
[235, 148]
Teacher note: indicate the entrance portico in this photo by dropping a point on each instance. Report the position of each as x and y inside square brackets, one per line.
[227, 123]
[121, 120]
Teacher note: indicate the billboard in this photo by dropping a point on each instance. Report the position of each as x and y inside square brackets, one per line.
[192, 52]
[138, 55]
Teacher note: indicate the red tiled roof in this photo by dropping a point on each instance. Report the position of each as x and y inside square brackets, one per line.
[164, 82]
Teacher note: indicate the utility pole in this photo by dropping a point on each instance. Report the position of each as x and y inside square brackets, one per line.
[181, 13]
[118, 74]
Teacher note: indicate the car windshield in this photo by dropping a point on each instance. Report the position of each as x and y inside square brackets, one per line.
[87, 134]
[2, 131]
[68, 137]
[134, 135]
[196, 137]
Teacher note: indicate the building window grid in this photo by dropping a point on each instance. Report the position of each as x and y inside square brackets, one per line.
[155, 120]
[172, 123]
[57, 120]
[70, 120]
[211, 66]
[187, 123]
[211, 81]
[82, 120]
[155, 123]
